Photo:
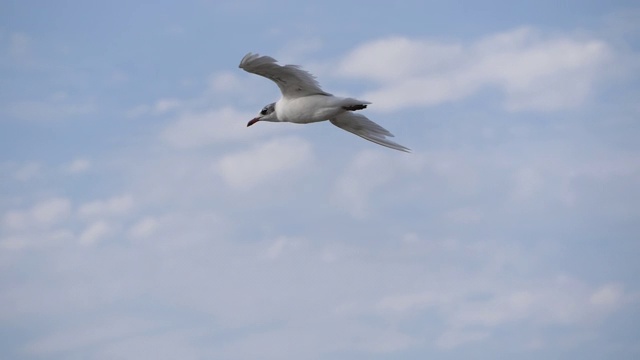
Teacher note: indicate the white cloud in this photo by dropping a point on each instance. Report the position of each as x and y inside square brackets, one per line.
[382, 340]
[117, 205]
[138, 111]
[608, 295]
[94, 232]
[118, 77]
[276, 248]
[91, 334]
[294, 50]
[27, 171]
[161, 106]
[51, 211]
[368, 171]
[41, 238]
[534, 70]
[57, 106]
[561, 301]
[527, 182]
[45, 213]
[406, 302]
[43, 225]
[159, 344]
[13, 243]
[225, 82]
[464, 215]
[165, 105]
[276, 158]
[144, 228]
[281, 245]
[454, 338]
[399, 58]
[224, 125]
[78, 166]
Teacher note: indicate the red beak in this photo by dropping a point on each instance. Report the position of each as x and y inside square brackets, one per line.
[253, 121]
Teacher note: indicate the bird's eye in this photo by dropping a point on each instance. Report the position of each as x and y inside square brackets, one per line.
[263, 112]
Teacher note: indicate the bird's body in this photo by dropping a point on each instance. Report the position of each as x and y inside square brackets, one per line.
[313, 108]
[303, 101]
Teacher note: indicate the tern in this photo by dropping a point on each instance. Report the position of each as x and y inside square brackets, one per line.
[303, 102]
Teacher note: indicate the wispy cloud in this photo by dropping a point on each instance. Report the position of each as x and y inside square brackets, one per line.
[78, 166]
[27, 171]
[265, 162]
[365, 178]
[45, 213]
[215, 126]
[58, 106]
[534, 70]
[117, 205]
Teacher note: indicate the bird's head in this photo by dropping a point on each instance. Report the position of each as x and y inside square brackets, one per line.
[268, 113]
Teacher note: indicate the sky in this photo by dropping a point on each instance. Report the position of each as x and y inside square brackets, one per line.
[141, 218]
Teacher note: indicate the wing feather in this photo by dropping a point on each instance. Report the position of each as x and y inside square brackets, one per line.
[359, 124]
[291, 79]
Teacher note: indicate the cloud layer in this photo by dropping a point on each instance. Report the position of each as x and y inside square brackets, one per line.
[535, 71]
[165, 228]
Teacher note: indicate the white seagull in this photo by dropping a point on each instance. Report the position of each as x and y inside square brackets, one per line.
[303, 101]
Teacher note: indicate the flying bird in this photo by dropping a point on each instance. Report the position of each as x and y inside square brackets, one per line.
[303, 102]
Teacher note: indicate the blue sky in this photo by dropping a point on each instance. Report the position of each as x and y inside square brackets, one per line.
[140, 218]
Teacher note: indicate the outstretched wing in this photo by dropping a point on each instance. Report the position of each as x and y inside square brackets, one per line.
[291, 79]
[366, 129]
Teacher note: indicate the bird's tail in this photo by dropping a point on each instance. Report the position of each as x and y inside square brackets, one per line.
[351, 104]
[355, 107]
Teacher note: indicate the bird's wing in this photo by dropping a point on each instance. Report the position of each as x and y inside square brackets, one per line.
[366, 129]
[291, 79]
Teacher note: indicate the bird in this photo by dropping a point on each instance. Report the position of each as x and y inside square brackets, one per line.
[303, 101]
